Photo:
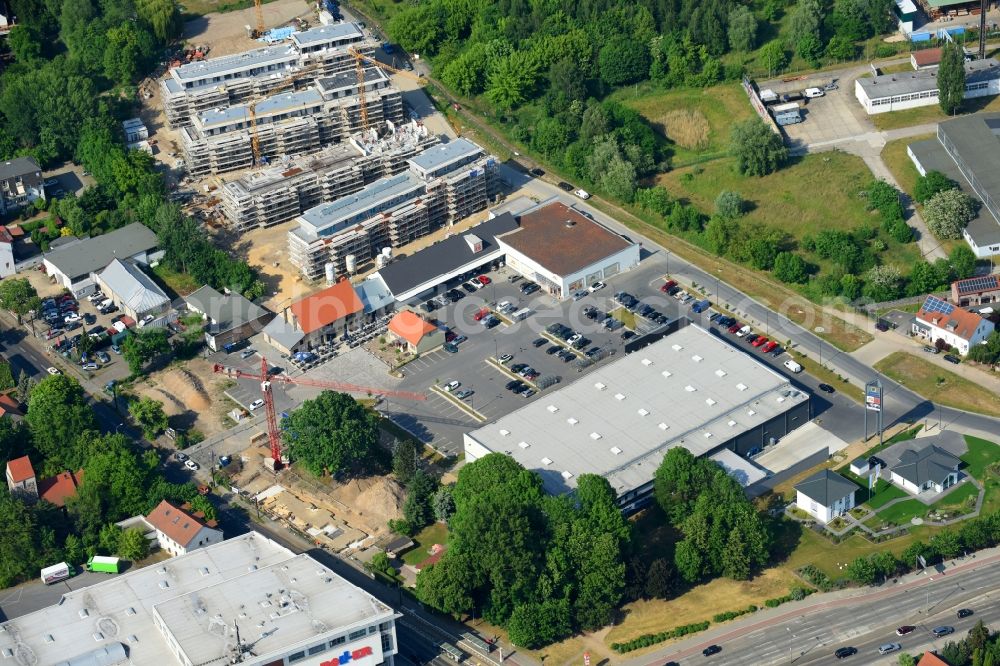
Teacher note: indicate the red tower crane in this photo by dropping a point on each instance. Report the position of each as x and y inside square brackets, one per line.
[266, 378]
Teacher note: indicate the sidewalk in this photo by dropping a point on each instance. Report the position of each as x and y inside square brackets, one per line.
[812, 604]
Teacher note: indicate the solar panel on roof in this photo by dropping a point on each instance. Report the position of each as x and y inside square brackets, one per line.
[935, 304]
[984, 283]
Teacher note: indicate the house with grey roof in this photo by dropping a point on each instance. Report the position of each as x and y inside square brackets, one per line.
[132, 290]
[21, 183]
[229, 318]
[825, 495]
[927, 468]
[76, 263]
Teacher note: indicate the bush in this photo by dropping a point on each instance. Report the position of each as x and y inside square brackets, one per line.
[929, 185]
[947, 213]
[652, 639]
[729, 615]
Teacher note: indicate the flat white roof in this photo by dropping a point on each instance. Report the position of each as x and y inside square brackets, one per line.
[275, 596]
[689, 389]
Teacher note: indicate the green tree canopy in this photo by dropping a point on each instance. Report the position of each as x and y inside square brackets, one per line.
[929, 185]
[334, 434]
[948, 211]
[624, 60]
[18, 296]
[149, 416]
[58, 414]
[757, 149]
[142, 347]
[742, 29]
[790, 267]
[951, 77]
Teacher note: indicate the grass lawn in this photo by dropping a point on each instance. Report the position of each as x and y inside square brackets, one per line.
[899, 162]
[938, 384]
[625, 317]
[900, 514]
[696, 121]
[955, 501]
[980, 454]
[931, 114]
[424, 539]
[181, 284]
[885, 495]
[827, 556]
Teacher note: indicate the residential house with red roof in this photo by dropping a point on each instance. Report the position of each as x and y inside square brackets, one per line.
[179, 532]
[21, 479]
[938, 319]
[22, 482]
[931, 659]
[419, 335]
[57, 489]
[316, 319]
[9, 406]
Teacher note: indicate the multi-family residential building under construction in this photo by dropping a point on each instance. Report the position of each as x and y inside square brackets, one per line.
[441, 185]
[199, 87]
[282, 192]
[220, 140]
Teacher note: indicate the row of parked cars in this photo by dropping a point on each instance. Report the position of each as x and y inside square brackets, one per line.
[635, 306]
[470, 286]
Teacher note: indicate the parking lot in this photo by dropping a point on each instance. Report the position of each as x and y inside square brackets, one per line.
[835, 117]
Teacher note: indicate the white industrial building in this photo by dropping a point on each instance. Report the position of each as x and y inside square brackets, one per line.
[75, 264]
[132, 290]
[940, 320]
[564, 250]
[247, 600]
[320, 52]
[908, 90]
[687, 389]
[443, 184]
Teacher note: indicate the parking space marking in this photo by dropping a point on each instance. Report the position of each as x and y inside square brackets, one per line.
[458, 404]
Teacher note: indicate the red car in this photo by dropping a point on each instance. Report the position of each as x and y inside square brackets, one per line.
[759, 341]
[449, 336]
[483, 280]
[668, 285]
[482, 313]
[769, 347]
[735, 327]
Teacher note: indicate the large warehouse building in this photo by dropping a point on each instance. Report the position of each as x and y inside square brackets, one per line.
[688, 389]
[908, 90]
[967, 150]
[286, 608]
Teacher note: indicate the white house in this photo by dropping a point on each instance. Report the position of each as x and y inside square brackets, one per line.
[940, 320]
[6, 253]
[929, 468]
[75, 265]
[825, 495]
[179, 532]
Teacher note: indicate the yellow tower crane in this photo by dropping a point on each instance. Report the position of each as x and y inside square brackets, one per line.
[252, 107]
[359, 70]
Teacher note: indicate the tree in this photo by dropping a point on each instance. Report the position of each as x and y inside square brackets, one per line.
[840, 49]
[907, 660]
[757, 149]
[862, 570]
[661, 579]
[947, 213]
[623, 60]
[678, 481]
[443, 504]
[883, 283]
[18, 550]
[333, 433]
[619, 179]
[729, 204]
[133, 545]
[951, 77]
[417, 509]
[806, 20]
[533, 625]
[149, 416]
[742, 29]
[790, 267]
[58, 414]
[142, 347]
[404, 460]
[930, 184]
[772, 57]
[511, 81]
[25, 44]
[7, 380]
[962, 261]
[18, 296]
[810, 48]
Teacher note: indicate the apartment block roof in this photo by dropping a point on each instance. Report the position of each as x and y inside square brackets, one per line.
[930, 463]
[688, 389]
[942, 314]
[907, 83]
[180, 526]
[563, 240]
[90, 255]
[408, 326]
[213, 67]
[20, 469]
[441, 154]
[19, 166]
[826, 487]
[329, 84]
[382, 195]
[135, 289]
[271, 106]
[327, 306]
[327, 33]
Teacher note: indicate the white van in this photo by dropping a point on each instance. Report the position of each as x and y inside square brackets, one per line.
[813, 92]
[793, 366]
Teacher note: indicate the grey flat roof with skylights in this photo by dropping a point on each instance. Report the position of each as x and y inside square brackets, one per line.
[278, 599]
[267, 56]
[689, 389]
[326, 33]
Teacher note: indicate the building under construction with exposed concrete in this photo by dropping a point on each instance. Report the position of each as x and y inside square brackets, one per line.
[281, 193]
[220, 140]
[321, 52]
[441, 185]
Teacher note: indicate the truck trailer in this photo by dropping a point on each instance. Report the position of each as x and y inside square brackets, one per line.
[104, 564]
[56, 573]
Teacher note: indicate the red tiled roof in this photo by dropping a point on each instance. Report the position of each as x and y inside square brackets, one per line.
[931, 659]
[20, 469]
[960, 322]
[927, 57]
[57, 489]
[408, 326]
[15, 230]
[327, 306]
[562, 240]
[5, 236]
[8, 405]
[180, 526]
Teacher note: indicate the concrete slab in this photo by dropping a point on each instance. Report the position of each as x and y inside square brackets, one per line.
[797, 446]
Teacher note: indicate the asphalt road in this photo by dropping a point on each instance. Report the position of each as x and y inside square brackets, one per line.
[811, 634]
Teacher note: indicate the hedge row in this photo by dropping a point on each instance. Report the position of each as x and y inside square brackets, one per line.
[652, 639]
[796, 594]
[729, 615]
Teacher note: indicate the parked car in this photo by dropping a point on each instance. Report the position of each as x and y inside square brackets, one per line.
[103, 357]
[951, 358]
[116, 349]
[452, 385]
[964, 612]
[539, 342]
[529, 288]
[181, 457]
[826, 388]
[450, 348]
[538, 173]
[504, 358]
[760, 342]
[459, 339]
[844, 652]
[192, 465]
[930, 350]
[668, 285]
[483, 280]
[53, 371]
[256, 404]
[943, 630]
[90, 366]
[905, 629]
[597, 286]
[751, 338]
[769, 347]
[463, 394]
[247, 353]
[564, 186]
